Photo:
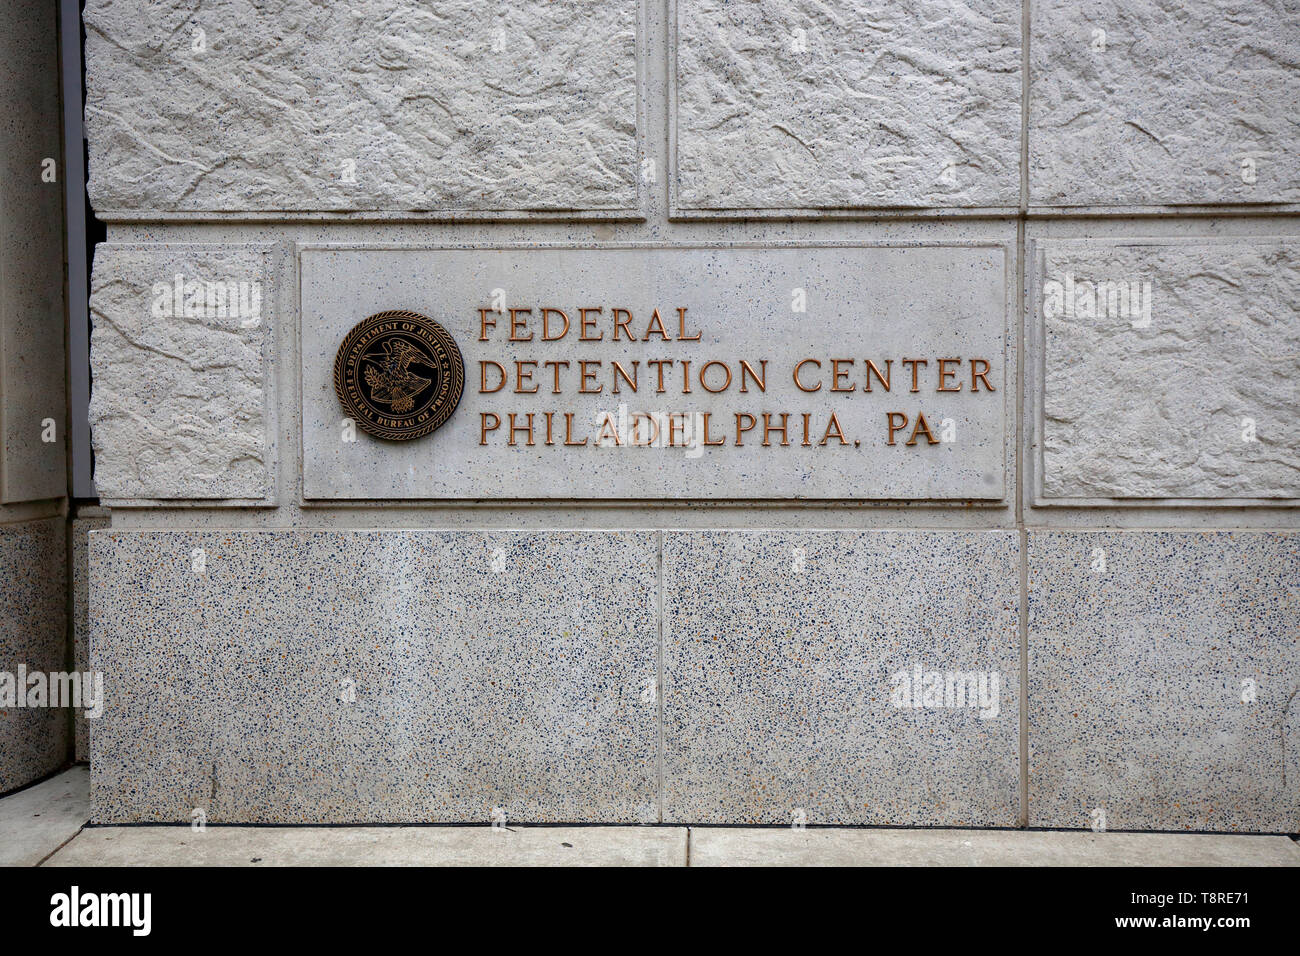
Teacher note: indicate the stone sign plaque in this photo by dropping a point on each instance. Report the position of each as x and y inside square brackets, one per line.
[686, 373]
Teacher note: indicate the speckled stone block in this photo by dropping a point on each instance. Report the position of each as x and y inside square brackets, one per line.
[1170, 368]
[781, 700]
[80, 543]
[1156, 102]
[368, 677]
[1163, 674]
[389, 105]
[784, 104]
[33, 636]
[182, 395]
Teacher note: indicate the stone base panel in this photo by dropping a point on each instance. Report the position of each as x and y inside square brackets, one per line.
[768, 677]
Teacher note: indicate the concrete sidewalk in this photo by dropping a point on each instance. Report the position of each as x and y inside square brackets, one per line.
[37, 821]
[44, 825]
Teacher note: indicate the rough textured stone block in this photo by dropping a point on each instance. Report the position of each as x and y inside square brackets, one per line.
[780, 656]
[1153, 102]
[1161, 401]
[388, 105]
[799, 104]
[1162, 683]
[34, 637]
[80, 542]
[181, 393]
[369, 677]
[32, 369]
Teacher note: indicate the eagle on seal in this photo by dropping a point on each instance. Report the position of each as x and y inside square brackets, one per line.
[389, 376]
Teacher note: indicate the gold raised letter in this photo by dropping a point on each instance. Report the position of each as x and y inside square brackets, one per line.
[516, 326]
[945, 374]
[586, 324]
[482, 375]
[681, 328]
[484, 324]
[800, 385]
[546, 327]
[889, 418]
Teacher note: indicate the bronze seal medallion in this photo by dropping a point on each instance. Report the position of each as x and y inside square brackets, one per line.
[399, 375]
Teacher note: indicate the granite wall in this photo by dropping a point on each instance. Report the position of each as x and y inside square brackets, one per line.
[1104, 634]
